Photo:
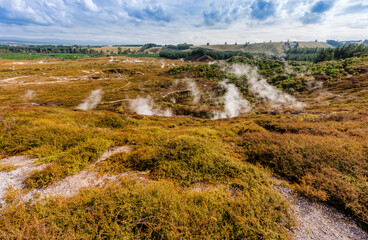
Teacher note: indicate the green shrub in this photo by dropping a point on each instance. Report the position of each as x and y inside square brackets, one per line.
[185, 159]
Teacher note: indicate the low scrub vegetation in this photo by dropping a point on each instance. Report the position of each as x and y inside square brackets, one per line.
[198, 178]
[159, 210]
[325, 168]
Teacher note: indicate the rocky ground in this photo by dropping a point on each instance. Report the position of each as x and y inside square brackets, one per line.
[317, 221]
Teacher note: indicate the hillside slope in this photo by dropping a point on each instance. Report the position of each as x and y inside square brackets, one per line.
[274, 48]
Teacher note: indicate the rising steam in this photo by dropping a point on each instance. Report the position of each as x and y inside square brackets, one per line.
[263, 89]
[235, 104]
[29, 95]
[192, 87]
[144, 106]
[92, 101]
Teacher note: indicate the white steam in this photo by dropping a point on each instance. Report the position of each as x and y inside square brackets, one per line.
[192, 87]
[92, 101]
[235, 104]
[144, 106]
[29, 95]
[162, 64]
[263, 89]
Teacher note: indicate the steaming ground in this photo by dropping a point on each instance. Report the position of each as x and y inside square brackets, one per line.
[92, 101]
[234, 103]
[145, 106]
[29, 95]
[261, 88]
[196, 93]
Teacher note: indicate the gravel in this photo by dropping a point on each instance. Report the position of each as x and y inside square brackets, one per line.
[320, 221]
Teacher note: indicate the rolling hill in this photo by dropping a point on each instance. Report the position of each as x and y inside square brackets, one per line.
[274, 48]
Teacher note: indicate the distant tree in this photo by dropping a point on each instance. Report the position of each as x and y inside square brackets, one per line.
[183, 46]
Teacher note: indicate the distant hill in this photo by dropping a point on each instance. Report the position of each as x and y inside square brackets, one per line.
[274, 48]
[342, 43]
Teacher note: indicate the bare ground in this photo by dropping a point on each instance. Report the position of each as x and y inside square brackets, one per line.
[14, 179]
[71, 185]
[317, 221]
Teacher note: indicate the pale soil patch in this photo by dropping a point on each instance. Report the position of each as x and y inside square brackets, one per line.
[14, 179]
[71, 185]
[317, 221]
[11, 80]
[29, 80]
[67, 187]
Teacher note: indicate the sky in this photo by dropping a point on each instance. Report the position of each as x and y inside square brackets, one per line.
[184, 21]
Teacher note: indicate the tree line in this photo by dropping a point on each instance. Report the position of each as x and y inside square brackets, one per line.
[346, 51]
[198, 53]
[303, 54]
[48, 49]
[327, 54]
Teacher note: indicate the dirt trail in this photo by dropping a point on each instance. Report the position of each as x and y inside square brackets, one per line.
[319, 221]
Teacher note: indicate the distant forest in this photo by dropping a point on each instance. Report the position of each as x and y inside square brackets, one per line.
[201, 52]
[327, 54]
[184, 51]
[48, 49]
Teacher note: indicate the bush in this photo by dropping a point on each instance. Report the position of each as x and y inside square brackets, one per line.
[326, 168]
[158, 210]
[185, 159]
[69, 162]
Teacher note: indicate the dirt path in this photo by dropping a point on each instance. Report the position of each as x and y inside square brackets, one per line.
[320, 222]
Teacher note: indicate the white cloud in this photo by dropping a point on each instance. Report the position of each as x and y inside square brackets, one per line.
[167, 21]
[91, 5]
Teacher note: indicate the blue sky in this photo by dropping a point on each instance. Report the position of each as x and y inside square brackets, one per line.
[192, 21]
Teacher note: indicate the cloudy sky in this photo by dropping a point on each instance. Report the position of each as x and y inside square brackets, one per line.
[178, 21]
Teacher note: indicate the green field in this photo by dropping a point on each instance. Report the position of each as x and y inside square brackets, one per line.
[61, 56]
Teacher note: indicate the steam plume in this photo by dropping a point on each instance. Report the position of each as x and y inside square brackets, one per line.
[92, 101]
[260, 86]
[29, 95]
[235, 104]
[144, 106]
[192, 86]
